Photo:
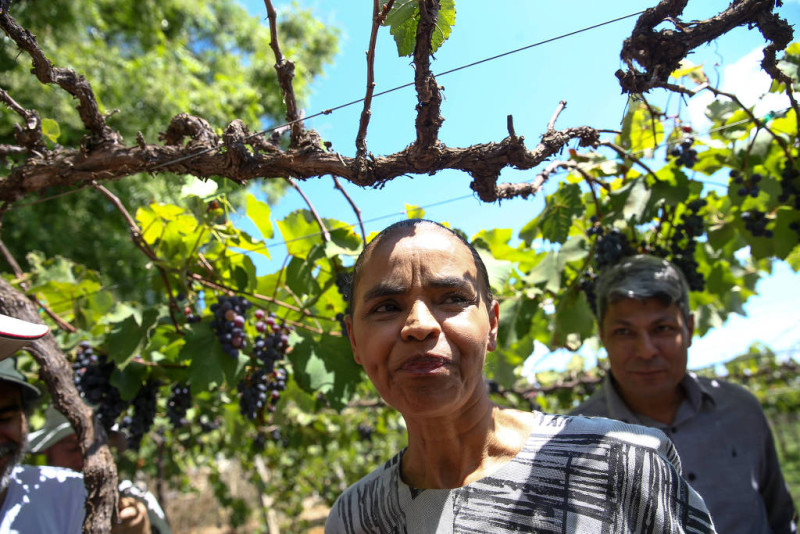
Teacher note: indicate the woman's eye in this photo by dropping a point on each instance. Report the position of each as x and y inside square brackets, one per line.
[385, 307]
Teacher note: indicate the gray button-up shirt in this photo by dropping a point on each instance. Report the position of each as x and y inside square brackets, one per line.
[726, 449]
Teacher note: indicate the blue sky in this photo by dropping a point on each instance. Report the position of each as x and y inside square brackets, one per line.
[528, 85]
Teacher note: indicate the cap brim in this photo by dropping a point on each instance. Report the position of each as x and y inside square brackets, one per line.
[15, 334]
[43, 439]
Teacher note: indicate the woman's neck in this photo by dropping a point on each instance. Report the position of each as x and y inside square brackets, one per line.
[452, 453]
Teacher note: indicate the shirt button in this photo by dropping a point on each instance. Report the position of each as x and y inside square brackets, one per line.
[691, 477]
[674, 429]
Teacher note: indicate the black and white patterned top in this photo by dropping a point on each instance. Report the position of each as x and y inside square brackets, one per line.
[574, 475]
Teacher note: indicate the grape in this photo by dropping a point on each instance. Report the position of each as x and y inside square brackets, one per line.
[178, 404]
[611, 248]
[365, 431]
[92, 375]
[587, 285]
[253, 394]
[229, 320]
[144, 413]
[755, 222]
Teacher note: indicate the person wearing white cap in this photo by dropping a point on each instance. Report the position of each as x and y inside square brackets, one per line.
[32, 499]
[57, 441]
[36, 499]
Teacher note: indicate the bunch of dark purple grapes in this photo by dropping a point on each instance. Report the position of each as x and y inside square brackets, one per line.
[253, 394]
[260, 391]
[684, 244]
[228, 323]
[684, 153]
[611, 246]
[144, 413]
[178, 404]
[92, 376]
[790, 186]
[746, 186]
[271, 344]
[756, 221]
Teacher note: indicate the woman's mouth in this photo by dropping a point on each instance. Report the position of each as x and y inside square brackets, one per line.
[423, 364]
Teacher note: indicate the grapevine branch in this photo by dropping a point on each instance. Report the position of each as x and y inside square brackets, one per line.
[261, 158]
[64, 325]
[429, 96]
[717, 93]
[65, 78]
[139, 241]
[326, 236]
[356, 210]
[659, 53]
[285, 70]
[378, 16]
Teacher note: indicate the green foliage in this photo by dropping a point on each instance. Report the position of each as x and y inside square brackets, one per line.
[403, 20]
[147, 62]
[212, 60]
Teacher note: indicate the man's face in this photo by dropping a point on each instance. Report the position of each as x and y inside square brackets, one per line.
[419, 326]
[65, 453]
[13, 431]
[647, 344]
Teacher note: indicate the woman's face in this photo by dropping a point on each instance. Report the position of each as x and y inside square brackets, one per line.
[419, 326]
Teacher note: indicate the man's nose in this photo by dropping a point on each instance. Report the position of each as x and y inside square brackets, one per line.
[645, 348]
[420, 323]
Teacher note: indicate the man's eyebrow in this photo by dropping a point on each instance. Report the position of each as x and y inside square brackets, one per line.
[10, 408]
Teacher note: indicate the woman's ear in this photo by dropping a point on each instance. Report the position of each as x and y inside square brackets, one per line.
[348, 322]
[494, 322]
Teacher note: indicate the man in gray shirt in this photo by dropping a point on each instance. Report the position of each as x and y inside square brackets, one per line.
[721, 433]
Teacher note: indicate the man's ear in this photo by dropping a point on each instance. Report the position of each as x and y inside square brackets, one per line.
[494, 322]
[348, 322]
[690, 329]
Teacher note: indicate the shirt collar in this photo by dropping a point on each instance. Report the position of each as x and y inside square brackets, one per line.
[696, 395]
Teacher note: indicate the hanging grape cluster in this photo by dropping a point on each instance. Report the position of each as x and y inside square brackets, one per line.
[92, 376]
[271, 344]
[756, 221]
[683, 153]
[684, 243]
[141, 420]
[611, 246]
[228, 323]
[790, 186]
[746, 186]
[179, 402]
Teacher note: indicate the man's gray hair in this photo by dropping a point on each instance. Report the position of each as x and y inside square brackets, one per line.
[642, 277]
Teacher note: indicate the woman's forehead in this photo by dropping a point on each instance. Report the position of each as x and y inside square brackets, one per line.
[418, 243]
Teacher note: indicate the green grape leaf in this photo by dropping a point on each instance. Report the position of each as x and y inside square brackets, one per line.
[546, 273]
[414, 212]
[403, 20]
[573, 316]
[561, 207]
[326, 365]
[516, 319]
[51, 129]
[300, 277]
[209, 367]
[259, 212]
[300, 232]
[129, 336]
[641, 130]
[129, 381]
